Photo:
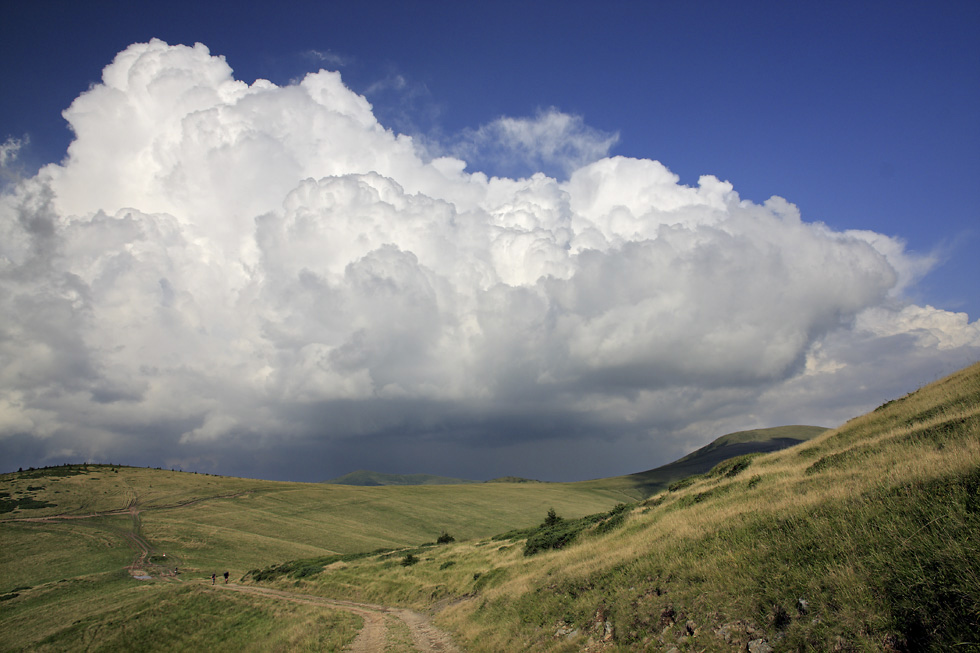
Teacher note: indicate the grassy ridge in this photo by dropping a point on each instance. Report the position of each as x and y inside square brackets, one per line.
[207, 521]
[33, 555]
[335, 519]
[644, 484]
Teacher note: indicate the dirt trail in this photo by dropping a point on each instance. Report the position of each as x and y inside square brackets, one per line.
[373, 636]
[142, 566]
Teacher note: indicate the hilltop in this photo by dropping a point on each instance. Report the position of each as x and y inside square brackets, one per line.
[644, 484]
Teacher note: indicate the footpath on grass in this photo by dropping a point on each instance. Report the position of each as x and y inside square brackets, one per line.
[373, 637]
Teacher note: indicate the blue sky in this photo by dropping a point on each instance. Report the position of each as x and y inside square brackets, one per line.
[863, 115]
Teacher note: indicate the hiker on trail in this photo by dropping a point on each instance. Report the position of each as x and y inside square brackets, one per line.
[175, 571]
[226, 578]
[212, 578]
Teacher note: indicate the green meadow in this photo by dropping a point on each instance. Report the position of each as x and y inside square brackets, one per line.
[69, 558]
[861, 538]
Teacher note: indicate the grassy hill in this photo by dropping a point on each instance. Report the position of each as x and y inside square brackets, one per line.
[74, 537]
[213, 522]
[366, 478]
[863, 538]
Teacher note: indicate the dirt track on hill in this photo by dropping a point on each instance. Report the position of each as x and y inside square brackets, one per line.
[373, 637]
[133, 507]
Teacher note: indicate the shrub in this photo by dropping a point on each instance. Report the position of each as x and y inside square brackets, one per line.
[556, 533]
[614, 518]
[445, 538]
[732, 467]
[551, 537]
[683, 483]
[309, 570]
[552, 519]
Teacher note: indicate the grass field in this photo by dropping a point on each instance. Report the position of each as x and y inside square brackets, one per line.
[70, 533]
[863, 538]
[129, 616]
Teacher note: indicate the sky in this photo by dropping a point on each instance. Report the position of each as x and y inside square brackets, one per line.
[557, 240]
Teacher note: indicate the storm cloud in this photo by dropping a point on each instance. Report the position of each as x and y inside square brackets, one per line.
[263, 280]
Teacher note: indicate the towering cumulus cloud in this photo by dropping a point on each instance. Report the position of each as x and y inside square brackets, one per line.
[264, 280]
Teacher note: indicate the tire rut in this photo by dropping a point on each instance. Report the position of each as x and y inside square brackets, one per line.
[372, 638]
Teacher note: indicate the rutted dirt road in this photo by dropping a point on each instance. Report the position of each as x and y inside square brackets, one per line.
[426, 638]
[141, 567]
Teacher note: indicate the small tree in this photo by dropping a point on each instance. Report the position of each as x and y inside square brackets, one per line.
[552, 519]
[445, 538]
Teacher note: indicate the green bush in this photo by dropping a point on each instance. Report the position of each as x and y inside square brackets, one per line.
[551, 537]
[556, 532]
[309, 570]
[683, 483]
[24, 503]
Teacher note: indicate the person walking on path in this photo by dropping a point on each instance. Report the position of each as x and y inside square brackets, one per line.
[212, 578]
[226, 578]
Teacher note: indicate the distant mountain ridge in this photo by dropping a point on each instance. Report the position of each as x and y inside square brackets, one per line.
[725, 447]
[644, 484]
[640, 484]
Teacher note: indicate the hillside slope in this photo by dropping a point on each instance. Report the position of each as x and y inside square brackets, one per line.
[121, 557]
[366, 478]
[212, 521]
[865, 538]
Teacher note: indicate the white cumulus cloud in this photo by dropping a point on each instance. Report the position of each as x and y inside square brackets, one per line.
[260, 279]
